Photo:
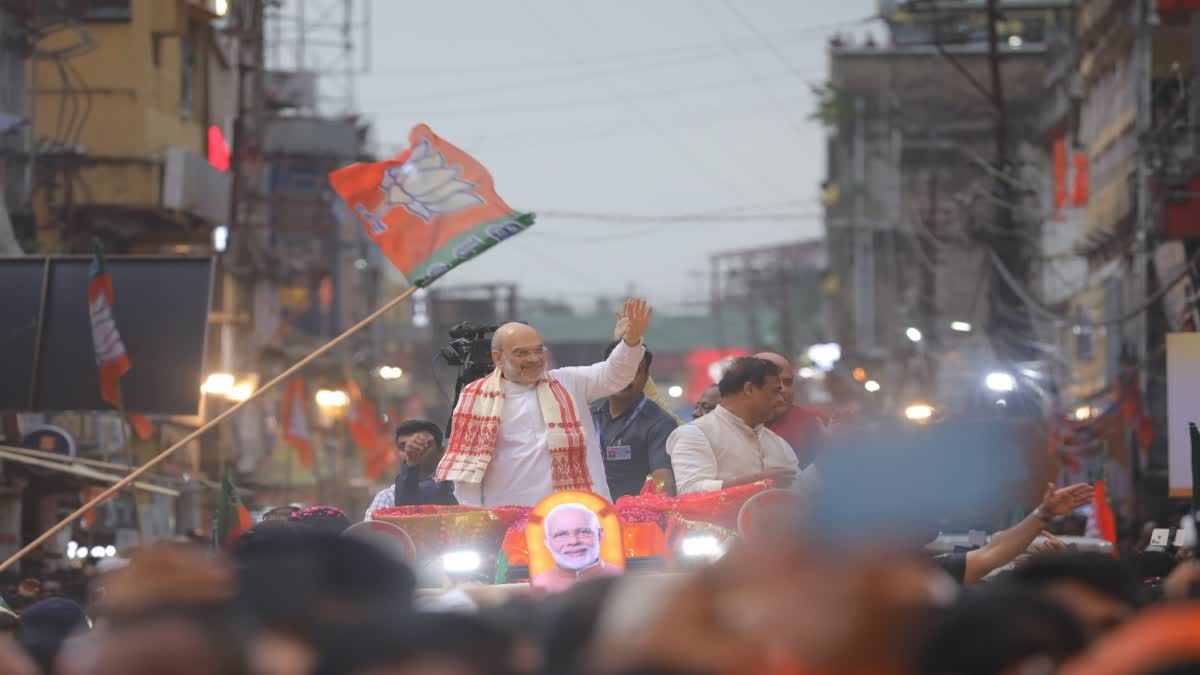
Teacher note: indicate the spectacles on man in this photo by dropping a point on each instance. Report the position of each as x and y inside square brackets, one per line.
[539, 350]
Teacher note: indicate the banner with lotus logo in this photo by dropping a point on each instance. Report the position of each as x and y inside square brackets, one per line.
[431, 209]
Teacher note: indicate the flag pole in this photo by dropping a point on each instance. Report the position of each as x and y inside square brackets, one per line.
[158, 459]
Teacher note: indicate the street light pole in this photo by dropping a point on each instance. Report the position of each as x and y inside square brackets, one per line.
[1010, 327]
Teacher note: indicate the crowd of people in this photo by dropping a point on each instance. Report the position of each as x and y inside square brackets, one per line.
[302, 592]
[302, 595]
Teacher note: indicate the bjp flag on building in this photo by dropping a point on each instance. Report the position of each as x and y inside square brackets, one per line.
[430, 209]
[112, 361]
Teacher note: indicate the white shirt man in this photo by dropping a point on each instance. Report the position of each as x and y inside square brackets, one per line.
[730, 446]
[518, 469]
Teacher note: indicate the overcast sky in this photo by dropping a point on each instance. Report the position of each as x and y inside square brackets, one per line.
[622, 108]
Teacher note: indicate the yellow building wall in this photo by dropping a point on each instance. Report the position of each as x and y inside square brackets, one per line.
[135, 110]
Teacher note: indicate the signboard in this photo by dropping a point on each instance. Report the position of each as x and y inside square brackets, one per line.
[161, 308]
[1183, 406]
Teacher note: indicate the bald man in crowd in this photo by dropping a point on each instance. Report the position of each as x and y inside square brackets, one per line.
[523, 433]
[801, 427]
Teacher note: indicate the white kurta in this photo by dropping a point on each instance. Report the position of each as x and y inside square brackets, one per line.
[720, 447]
[519, 473]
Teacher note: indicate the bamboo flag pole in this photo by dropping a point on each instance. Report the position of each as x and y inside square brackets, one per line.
[392, 304]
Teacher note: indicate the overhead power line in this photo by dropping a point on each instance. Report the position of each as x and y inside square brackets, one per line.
[585, 102]
[1056, 317]
[701, 49]
[541, 82]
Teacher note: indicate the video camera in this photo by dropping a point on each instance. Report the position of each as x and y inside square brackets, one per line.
[470, 349]
[469, 345]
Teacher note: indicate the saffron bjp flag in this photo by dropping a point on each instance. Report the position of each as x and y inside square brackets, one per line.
[111, 359]
[431, 209]
[367, 431]
[293, 418]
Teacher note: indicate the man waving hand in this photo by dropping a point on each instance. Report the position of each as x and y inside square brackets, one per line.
[522, 433]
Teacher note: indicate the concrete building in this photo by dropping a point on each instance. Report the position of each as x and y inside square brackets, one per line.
[128, 100]
[1118, 152]
[910, 196]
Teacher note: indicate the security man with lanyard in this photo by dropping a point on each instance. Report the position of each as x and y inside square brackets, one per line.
[633, 432]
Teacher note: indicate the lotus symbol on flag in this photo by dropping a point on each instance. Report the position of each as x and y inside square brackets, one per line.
[427, 187]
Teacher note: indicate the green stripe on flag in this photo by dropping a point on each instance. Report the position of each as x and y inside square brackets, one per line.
[501, 568]
[468, 245]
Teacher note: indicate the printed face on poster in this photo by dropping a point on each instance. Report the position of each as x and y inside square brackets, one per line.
[573, 537]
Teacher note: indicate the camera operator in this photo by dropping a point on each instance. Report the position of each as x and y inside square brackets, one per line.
[419, 443]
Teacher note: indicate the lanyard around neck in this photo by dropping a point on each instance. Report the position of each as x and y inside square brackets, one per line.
[632, 416]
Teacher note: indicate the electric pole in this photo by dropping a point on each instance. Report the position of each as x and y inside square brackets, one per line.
[1010, 328]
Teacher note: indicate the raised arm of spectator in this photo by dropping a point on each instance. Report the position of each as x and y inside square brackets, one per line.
[1007, 545]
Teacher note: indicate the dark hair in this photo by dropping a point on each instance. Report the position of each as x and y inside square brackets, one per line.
[647, 359]
[45, 626]
[570, 622]
[991, 628]
[303, 580]
[746, 370]
[407, 638]
[410, 427]
[1096, 571]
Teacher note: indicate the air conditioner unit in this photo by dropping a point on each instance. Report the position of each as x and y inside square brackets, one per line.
[193, 186]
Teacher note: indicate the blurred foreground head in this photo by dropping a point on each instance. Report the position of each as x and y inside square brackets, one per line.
[774, 608]
[1161, 641]
[1099, 589]
[171, 609]
[425, 644]
[998, 629]
[301, 581]
[45, 626]
[168, 576]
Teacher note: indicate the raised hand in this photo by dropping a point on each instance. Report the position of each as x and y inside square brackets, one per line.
[418, 448]
[1061, 502]
[620, 327]
[637, 313]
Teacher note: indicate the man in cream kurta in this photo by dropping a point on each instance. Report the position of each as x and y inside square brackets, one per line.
[730, 446]
[519, 472]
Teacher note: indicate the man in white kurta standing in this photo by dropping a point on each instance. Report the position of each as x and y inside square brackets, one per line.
[522, 433]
